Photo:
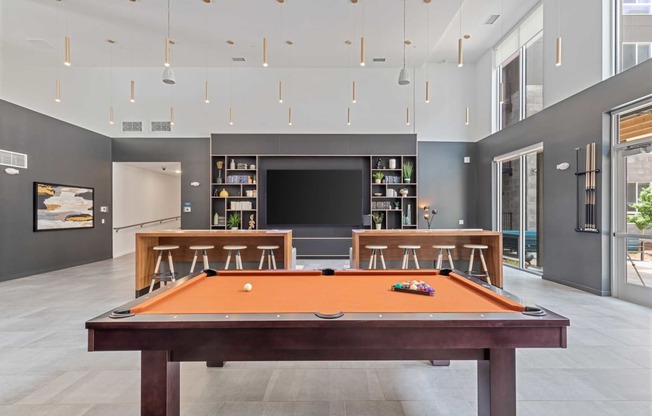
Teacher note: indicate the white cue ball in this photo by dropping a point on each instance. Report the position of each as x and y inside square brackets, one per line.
[248, 287]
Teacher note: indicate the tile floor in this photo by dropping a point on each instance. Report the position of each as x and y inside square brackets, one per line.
[46, 370]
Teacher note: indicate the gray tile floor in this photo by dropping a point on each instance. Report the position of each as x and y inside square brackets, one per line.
[45, 369]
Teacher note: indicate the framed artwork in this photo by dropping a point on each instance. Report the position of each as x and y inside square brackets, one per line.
[62, 207]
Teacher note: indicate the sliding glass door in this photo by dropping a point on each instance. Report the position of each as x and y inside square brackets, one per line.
[518, 201]
[632, 204]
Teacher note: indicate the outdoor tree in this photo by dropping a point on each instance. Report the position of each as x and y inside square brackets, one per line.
[643, 217]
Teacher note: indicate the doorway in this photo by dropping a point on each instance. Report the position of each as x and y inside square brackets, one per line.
[518, 206]
[632, 203]
[146, 196]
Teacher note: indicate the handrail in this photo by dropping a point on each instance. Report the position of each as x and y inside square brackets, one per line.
[147, 222]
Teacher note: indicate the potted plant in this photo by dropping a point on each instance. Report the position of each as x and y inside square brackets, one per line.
[377, 217]
[408, 168]
[378, 176]
[234, 220]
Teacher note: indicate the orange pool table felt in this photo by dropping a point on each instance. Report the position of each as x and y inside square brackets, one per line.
[312, 292]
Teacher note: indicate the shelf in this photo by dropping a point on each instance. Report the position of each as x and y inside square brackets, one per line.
[241, 170]
[387, 170]
[241, 210]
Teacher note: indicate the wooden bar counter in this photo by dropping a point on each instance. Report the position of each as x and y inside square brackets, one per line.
[146, 240]
[426, 239]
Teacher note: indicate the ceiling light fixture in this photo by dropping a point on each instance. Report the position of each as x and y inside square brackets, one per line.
[280, 92]
[206, 55]
[280, 82]
[404, 76]
[111, 43]
[558, 51]
[231, 43]
[353, 100]
[206, 98]
[460, 53]
[362, 60]
[57, 91]
[348, 116]
[132, 95]
[168, 73]
[265, 52]
[171, 116]
[407, 116]
[501, 84]
[66, 44]
[427, 52]
[57, 83]
[289, 116]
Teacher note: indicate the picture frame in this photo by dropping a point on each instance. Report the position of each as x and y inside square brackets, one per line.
[63, 207]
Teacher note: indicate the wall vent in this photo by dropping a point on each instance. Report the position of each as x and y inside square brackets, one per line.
[492, 19]
[161, 126]
[380, 59]
[13, 159]
[238, 59]
[132, 126]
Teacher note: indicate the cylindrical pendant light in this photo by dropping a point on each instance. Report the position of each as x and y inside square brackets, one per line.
[558, 51]
[111, 120]
[280, 92]
[167, 52]
[265, 52]
[66, 45]
[57, 91]
[460, 56]
[172, 116]
[353, 98]
[407, 116]
[362, 63]
[558, 54]
[230, 116]
[467, 116]
[206, 98]
[289, 116]
[132, 96]
[427, 92]
[348, 116]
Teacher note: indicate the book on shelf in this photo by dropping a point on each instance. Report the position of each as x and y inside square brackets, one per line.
[238, 179]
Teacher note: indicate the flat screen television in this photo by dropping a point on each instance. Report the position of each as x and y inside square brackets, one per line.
[314, 197]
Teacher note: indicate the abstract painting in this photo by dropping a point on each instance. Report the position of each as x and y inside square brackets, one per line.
[60, 207]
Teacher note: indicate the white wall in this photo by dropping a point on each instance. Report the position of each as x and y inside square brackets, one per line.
[141, 195]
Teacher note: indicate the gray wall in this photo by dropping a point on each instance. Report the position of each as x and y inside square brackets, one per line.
[194, 155]
[57, 152]
[580, 260]
[447, 183]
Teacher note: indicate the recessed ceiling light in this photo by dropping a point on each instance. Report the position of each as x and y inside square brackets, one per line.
[467, 37]
[348, 42]
[289, 42]
[230, 42]
[408, 42]
[492, 19]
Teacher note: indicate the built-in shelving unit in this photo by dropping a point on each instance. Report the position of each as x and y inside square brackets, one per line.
[399, 209]
[234, 190]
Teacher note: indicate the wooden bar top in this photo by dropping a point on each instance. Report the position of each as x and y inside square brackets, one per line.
[424, 232]
[211, 233]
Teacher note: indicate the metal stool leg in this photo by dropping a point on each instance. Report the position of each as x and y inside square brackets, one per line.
[194, 262]
[262, 261]
[382, 259]
[416, 260]
[228, 260]
[273, 260]
[450, 259]
[171, 263]
[484, 266]
[371, 258]
[406, 259]
[440, 256]
[471, 261]
[269, 259]
[206, 265]
[238, 260]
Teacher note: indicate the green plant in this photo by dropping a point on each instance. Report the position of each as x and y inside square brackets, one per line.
[408, 168]
[378, 175]
[643, 217]
[234, 220]
[377, 217]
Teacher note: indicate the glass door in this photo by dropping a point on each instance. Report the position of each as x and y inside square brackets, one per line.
[632, 175]
[519, 196]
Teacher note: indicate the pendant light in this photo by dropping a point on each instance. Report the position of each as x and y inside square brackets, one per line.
[231, 43]
[407, 116]
[467, 111]
[427, 92]
[265, 52]
[206, 55]
[558, 51]
[280, 82]
[289, 116]
[66, 44]
[111, 43]
[460, 53]
[171, 106]
[404, 76]
[57, 91]
[501, 84]
[132, 87]
[290, 43]
[57, 82]
[280, 92]
[168, 73]
[362, 52]
[348, 116]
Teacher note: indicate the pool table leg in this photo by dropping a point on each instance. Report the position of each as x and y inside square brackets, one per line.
[159, 386]
[497, 383]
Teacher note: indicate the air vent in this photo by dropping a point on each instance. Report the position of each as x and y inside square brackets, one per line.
[380, 60]
[238, 59]
[132, 126]
[161, 126]
[13, 159]
[492, 19]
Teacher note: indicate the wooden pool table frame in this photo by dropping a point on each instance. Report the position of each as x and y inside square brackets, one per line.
[165, 340]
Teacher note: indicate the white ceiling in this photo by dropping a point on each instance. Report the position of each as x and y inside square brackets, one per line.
[31, 59]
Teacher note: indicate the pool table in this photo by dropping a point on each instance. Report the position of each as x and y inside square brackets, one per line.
[326, 315]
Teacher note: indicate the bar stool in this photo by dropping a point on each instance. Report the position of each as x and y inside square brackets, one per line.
[375, 250]
[171, 275]
[406, 255]
[238, 259]
[478, 247]
[271, 260]
[203, 248]
[440, 255]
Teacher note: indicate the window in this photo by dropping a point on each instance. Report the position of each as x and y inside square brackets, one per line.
[634, 34]
[519, 73]
[633, 191]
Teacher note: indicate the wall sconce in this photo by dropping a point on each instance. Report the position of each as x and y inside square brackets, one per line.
[429, 215]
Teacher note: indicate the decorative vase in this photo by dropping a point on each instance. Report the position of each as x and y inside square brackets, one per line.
[216, 218]
[404, 192]
[224, 193]
[377, 180]
[379, 226]
[406, 180]
[232, 165]
[392, 163]
[220, 164]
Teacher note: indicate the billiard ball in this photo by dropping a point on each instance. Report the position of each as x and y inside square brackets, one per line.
[248, 287]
